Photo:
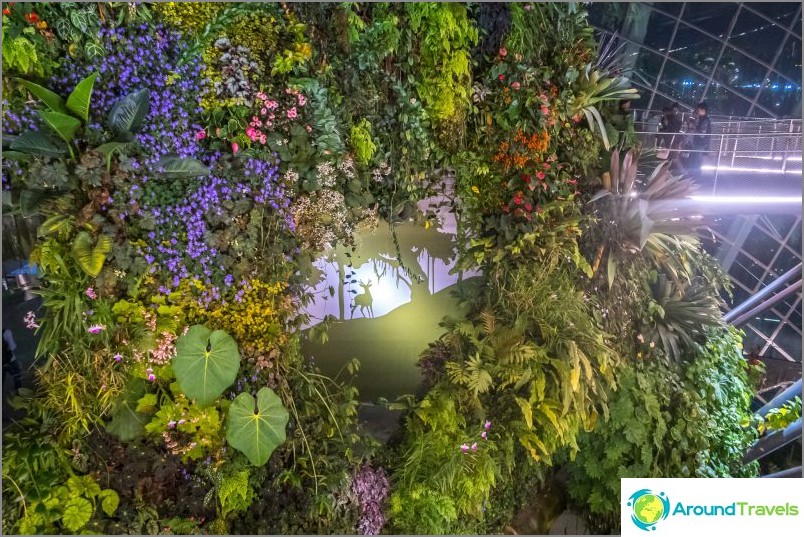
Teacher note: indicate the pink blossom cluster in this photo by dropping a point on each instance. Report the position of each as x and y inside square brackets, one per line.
[465, 448]
[269, 112]
[165, 349]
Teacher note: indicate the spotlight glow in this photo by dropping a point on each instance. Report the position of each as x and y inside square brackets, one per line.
[710, 168]
[747, 200]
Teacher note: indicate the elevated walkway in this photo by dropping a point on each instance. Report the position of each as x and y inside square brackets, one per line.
[751, 167]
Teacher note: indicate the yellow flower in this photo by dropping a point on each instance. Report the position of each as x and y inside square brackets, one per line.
[475, 189]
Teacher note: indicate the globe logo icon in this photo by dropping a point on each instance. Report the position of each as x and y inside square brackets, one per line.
[648, 508]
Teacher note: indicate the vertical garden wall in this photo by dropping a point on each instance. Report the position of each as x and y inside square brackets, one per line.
[178, 166]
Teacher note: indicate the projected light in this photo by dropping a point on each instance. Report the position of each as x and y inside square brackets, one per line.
[747, 200]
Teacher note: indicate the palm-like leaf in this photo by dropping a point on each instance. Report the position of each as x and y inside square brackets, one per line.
[654, 220]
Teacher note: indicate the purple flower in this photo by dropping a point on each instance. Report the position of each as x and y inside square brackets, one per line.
[484, 435]
[464, 448]
[487, 425]
[90, 292]
[371, 488]
[171, 424]
[474, 446]
[96, 329]
[30, 321]
[118, 357]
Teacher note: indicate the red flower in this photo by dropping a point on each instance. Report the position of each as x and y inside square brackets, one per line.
[32, 17]
[528, 207]
[572, 181]
[501, 77]
[503, 52]
[540, 175]
[6, 11]
[517, 200]
[546, 165]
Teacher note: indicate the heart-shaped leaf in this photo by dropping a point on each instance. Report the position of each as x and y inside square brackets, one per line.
[78, 101]
[39, 144]
[184, 167]
[257, 428]
[62, 124]
[51, 99]
[89, 257]
[129, 112]
[206, 363]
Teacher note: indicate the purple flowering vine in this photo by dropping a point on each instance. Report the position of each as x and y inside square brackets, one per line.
[371, 488]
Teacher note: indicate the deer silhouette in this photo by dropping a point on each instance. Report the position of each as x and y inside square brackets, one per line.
[363, 301]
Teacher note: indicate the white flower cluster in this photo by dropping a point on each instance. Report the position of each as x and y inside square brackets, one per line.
[321, 219]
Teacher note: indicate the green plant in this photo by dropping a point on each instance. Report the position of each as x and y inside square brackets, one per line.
[669, 420]
[445, 33]
[68, 507]
[362, 144]
[187, 429]
[678, 315]
[257, 427]
[206, 363]
[652, 221]
[777, 419]
[595, 88]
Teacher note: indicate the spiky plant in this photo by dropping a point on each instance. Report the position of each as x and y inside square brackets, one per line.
[595, 88]
[680, 314]
[658, 221]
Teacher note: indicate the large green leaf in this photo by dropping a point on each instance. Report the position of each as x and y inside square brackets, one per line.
[206, 363]
[183, 167]
[91, 258]
[129, 112]
[39, 144]
[78, 101]
[77, 513]
[257, 428]
[62, 124]
[128, 424]
[51, 99]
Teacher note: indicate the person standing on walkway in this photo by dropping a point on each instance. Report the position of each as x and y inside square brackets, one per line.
[10, 364]
[700, 140]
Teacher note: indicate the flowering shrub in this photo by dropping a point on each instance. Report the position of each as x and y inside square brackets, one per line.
[321, 218]
[371, 488]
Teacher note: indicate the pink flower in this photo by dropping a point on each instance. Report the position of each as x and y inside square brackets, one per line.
[302, 99]
[287, 90]
[118, 357]
[251, 133]
[292, 113]
[30, 321]
[527, 7]
[271, 105]
[263, 139]
[200, 135]
[308, 128]
[487, 425]
[484, 435]
[151, 377]
[540, 175]
[474, 446]
[545, 110]
[503, 52]
[261, 96]
[171, 424]
[263, 111]
[515, 85]
[464, 447]
[501, 77]
[96, 329]
[235, 147]
[90, 292]
[181, 422]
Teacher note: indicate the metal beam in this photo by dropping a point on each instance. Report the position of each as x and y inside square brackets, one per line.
[790, 472]
[764, 293]
[772, 442]
[775, 299]
[781, 398]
